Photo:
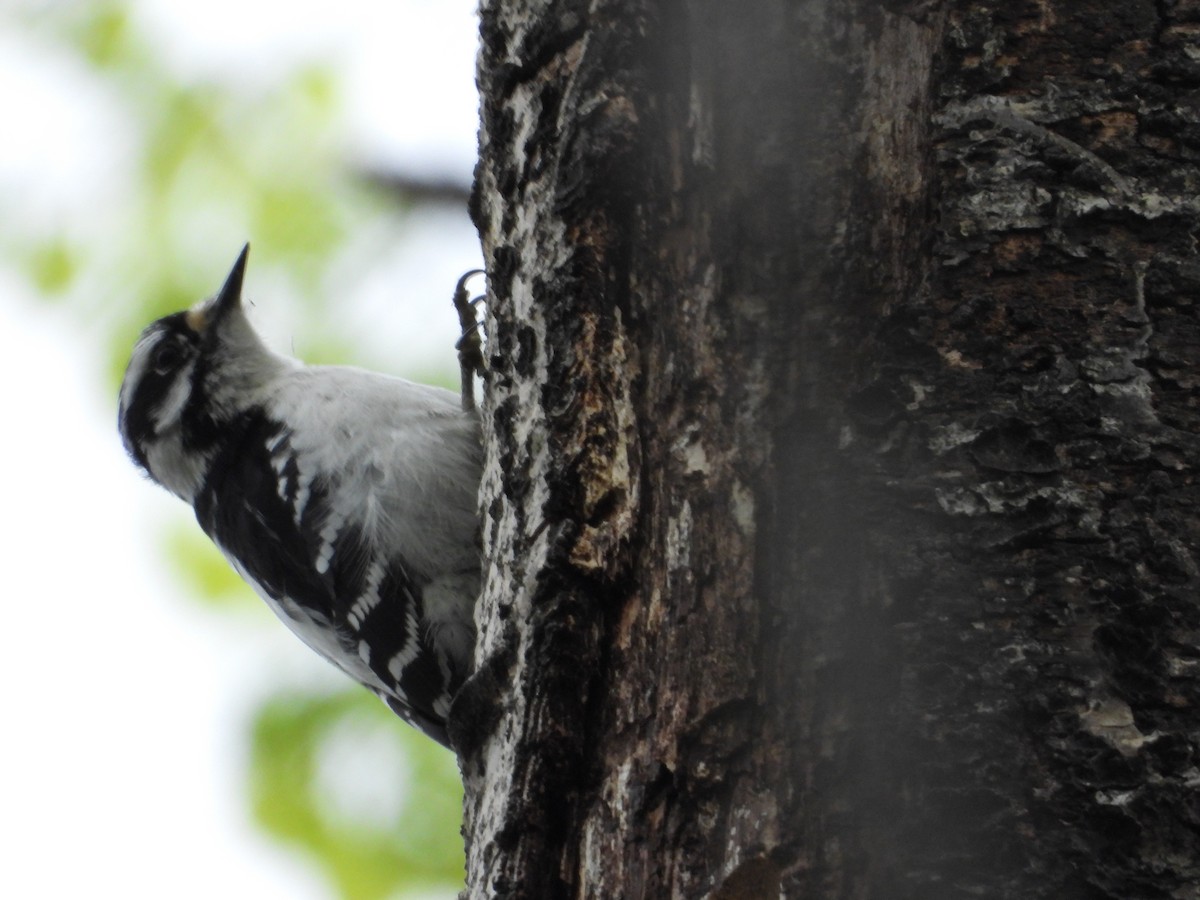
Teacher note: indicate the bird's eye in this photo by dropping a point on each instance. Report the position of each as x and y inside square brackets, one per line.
[167, 357]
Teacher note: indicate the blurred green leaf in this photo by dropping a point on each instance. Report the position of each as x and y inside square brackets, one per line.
[365, 859]
[297, 217]
[53, 266]
[102, 33]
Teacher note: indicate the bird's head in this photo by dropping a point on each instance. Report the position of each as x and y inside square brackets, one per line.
[191, 373]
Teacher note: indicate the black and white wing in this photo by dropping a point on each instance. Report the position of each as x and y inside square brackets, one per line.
[284, 524]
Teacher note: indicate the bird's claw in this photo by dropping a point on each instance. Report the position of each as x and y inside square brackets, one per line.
[470, 344]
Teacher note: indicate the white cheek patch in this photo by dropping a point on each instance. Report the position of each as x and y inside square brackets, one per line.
[139, 363]
[179, 472]
[168, 413]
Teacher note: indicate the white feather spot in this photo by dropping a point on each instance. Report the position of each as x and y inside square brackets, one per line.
[441, 706]
[411, 649]
[303, 486]
[369, 598]
[329, 533]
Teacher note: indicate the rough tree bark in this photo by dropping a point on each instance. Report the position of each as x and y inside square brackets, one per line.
[841, 434]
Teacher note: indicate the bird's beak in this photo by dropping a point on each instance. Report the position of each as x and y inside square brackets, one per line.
[230, 296]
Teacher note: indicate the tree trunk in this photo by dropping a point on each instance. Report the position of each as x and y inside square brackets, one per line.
[841, 435]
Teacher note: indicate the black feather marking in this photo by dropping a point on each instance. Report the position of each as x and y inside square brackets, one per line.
[400, 652]
[247, 505]
[137, 423]
[383, 615]
[435, 727]
[239, 507]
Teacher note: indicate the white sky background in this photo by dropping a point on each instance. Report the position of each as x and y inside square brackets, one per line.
[95, 798]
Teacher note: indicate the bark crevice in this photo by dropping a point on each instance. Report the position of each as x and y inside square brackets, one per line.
[841, 451]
